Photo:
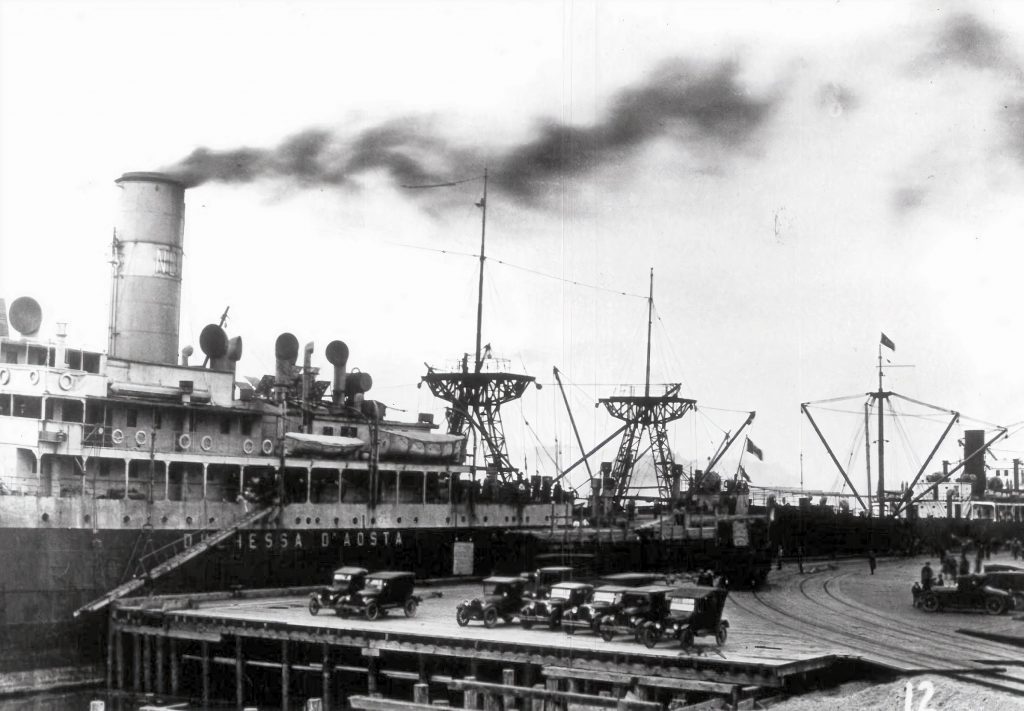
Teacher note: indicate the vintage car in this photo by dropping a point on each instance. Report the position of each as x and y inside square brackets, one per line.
[970, 593]
[548, 611]
[381, 592]
[540, 581]
[605, 600]
[1009, 579]
[639, 605]
[691, 612]
[502, 598]
[346, 580]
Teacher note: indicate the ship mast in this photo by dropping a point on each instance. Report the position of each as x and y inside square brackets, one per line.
[650, 312]
[476, 397]
[483, 257]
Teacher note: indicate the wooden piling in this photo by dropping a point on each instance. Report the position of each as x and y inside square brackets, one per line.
[421, 693]
[537, 702]
[371, 676]
[111, 631]
[119, 651]
[175, 666]
[147, 663]
[508, 678]
[160, 687]
[205, 646]
[136, 663]
[471, 699]
[284, 674]
[326, 691]
[554, 704]
[239, 675]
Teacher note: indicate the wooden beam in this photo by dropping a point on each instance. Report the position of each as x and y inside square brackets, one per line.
[206, 673]
[562, 697]
[659, 682]
[239, 675]
[175, 667]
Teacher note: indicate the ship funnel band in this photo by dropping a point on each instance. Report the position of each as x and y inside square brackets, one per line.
[150, 177]
[26, 315]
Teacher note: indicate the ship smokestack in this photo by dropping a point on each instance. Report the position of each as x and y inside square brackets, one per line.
[337, 355]
[146, 290]
[974, 454]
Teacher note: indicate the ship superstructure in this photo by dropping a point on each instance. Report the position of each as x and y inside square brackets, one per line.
[152, 464]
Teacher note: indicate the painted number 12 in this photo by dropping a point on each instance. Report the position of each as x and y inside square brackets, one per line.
[927, 688]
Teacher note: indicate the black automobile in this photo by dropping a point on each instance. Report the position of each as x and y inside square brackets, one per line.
[605, 601]
[970, 593]
[639, 605]
[502, 598]
[548, 611]
[382, 591]
[346, 580]
[691, 612]
[539, 582]
[1009, 579]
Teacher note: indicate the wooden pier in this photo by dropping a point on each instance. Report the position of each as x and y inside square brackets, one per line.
[265, 647]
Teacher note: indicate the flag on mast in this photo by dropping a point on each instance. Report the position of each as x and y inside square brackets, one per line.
[743, 473]
[754, 449]
[888, 343]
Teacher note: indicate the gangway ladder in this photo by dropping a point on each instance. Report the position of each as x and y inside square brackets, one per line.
[172, 558]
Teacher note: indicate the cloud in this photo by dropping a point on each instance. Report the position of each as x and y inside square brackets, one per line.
[696, 104]
[965, 40]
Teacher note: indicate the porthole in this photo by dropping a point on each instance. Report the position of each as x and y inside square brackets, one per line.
[126, 519]
[547, 518]
[415, 519]
[318, 520]
[463, 519]
[212, 519]
[399, 520]
[485, 519]
[355, 521]
[308, 520]
[337, 520]
[373, 522]
[188, 520]
[163, 519]
[447, 519]
[46, 517]
[298, 520]
[88, 518]
[527, 519]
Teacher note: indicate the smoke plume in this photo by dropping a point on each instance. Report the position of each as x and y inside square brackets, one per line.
[690, 103]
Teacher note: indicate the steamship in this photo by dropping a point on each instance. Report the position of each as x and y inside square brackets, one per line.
[136, 470]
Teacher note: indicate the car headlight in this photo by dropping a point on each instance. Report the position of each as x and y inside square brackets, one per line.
[574, 610]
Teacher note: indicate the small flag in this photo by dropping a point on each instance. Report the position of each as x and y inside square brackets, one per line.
[743, 473]
[887, 343]
[754, 449]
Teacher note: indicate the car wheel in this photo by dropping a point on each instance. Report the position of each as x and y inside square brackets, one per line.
[995, 605]
[686, 639]
[372, 610]
[721, 634]
[649, 636]
[461, 616]
[410, 607]
[930, 603]
[314, 606]
[490, 617]
[607, 634]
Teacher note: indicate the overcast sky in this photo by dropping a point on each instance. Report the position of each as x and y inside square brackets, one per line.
[802, 176]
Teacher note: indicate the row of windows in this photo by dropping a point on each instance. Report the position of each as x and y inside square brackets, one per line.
[17, 353]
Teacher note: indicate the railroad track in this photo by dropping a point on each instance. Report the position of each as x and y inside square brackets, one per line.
[844, 622]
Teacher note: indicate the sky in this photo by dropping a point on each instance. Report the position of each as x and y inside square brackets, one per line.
[801, 177]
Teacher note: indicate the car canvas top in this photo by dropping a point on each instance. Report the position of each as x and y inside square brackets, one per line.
[693, 591]
[502, 579]
[390, 575]
[350, 570]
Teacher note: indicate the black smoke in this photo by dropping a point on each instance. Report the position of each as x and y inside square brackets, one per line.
[690, 103]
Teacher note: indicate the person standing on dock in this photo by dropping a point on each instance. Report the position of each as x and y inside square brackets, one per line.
[872, 563]
[778, 565]
[965, 566]
[926, 576]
